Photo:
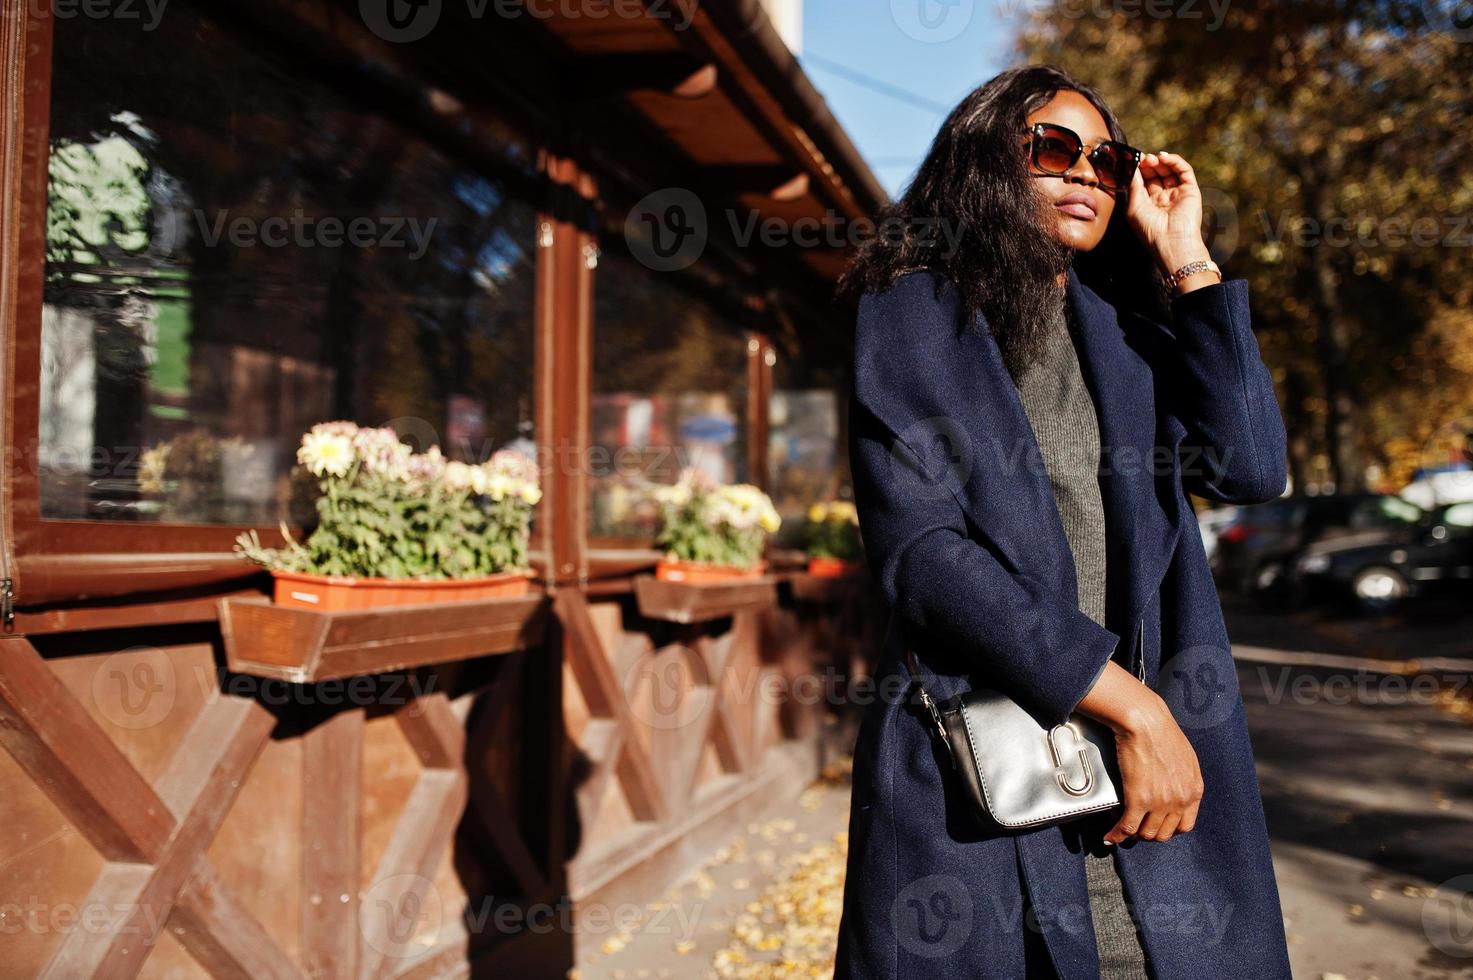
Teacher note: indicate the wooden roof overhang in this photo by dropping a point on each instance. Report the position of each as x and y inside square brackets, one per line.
[701, 96]
[725, 94]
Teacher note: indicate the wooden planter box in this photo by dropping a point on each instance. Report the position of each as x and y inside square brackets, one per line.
[824, 588]
[306, 646]
[337, 593]
[683, 602]
[701, 572]
[822, 567]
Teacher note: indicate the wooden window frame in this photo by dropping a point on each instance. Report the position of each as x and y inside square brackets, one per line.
[58, 563]
[615, 555]
[52, 561]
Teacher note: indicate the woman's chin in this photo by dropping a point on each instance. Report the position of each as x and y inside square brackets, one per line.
[1078, 236]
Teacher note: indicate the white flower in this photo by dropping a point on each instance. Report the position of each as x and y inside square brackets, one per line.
[512, 473]
[677, 494]
[427, 466]
[325, 451]
[744, 505]
[460, 476]
[381, 452]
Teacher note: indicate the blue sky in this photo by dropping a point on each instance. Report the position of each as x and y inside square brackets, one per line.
[926, 53]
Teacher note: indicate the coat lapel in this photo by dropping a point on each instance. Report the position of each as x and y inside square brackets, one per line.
[1136, 478]
[1006, 499]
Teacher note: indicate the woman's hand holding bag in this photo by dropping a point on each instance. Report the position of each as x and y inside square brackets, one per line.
[1161, 781]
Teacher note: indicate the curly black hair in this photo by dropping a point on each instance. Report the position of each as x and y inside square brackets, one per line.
[972, 215]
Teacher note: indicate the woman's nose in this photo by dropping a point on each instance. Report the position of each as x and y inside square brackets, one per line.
[1086, 175]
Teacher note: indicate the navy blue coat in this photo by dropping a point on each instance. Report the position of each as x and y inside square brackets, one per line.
[962, 534]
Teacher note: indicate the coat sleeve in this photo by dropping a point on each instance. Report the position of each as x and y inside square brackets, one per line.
[944, 578]
[1213, 377]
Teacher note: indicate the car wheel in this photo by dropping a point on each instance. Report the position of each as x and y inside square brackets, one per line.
[1378, 588]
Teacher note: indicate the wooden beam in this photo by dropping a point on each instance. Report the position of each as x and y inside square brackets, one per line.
[223, 936]
[601, 77]
[332, 842]
[566, 257]
[605, 698]
[433, 731]
[199, 786]
[403, 892]
[71, 759]
[779, 182]
[682, 602]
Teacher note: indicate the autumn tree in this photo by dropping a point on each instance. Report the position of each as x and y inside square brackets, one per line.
[1333, 145]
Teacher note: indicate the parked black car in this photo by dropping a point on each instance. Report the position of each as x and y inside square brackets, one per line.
[1378, 569]
[1254, 550]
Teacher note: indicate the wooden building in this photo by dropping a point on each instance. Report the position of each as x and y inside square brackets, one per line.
[606, 229]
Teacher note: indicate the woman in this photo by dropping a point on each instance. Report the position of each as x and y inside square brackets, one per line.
[1031, 399]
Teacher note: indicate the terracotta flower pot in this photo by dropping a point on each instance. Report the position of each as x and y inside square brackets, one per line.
[828, 567]
[335, 593]
[705, 572]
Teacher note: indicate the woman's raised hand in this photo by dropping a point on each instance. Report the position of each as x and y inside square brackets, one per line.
[1165, 209]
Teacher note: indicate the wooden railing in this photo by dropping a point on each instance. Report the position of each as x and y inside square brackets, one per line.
[399, 793]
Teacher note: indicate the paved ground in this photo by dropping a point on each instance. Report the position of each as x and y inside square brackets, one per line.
[1368, 789]
[767, 905]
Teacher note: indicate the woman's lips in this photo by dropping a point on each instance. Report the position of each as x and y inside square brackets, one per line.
[1077, 207]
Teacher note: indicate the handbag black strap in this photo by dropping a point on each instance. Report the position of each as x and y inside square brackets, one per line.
[913, 665]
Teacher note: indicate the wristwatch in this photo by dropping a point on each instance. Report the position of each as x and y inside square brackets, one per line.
[1191, 268]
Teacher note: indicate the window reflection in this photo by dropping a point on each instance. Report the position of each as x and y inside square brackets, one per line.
[238, 249]
[669, 389]
[802, 457]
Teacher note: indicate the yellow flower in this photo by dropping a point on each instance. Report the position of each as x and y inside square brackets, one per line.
[771, 520]
[843, 510]
[154, 465]
[817, 513]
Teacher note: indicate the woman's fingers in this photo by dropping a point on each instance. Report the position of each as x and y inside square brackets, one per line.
[1168, 828]
[1167, 167]
[1127, 825]
[1151, 826]
[1183, 170]
[1189, 818]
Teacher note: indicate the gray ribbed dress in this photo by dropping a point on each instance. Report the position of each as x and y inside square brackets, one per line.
[1062, 412]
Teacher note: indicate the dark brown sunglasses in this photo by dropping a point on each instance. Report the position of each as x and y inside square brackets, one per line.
[1055, 148]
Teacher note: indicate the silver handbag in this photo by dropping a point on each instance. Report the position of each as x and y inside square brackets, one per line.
[1016, 772]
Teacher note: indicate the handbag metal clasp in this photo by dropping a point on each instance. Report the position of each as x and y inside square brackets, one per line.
[930, 704]
[1062, 777]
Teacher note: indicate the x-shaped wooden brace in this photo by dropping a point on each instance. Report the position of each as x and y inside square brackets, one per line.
[658, 782]
[154, 838]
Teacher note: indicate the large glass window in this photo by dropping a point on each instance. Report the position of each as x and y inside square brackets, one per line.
[669, 390]
[803, 456]
[242, 243]
[805, 459]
